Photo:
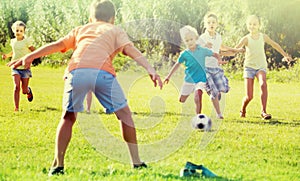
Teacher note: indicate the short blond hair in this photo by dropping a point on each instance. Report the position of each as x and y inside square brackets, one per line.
[18, 23]
[187, 29]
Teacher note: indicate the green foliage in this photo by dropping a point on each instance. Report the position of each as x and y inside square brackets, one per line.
[121, 63]
[51, 20]
[154, 25]
[158, 22]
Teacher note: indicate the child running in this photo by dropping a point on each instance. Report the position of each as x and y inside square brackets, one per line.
[193, 57]
[216, 80]
[255, 64]
[20, 47]
[90, 68]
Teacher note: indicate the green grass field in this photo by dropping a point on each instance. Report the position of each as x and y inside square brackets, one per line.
[236, 149]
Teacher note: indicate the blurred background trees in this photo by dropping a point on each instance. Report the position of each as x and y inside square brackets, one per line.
[154, 25]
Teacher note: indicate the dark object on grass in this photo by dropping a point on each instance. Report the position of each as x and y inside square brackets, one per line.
[190, 171]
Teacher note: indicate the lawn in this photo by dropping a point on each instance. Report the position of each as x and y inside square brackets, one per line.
[236, 149]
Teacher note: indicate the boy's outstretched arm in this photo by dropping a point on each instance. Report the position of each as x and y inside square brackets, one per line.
[42, 51]
[135, 54]
[174, 68]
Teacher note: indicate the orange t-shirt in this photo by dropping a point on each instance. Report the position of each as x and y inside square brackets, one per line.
[95, 45]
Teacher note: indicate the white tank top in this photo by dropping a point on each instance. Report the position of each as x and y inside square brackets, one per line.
[255, 56]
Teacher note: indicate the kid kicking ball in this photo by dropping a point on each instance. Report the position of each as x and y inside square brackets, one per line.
[201, 122]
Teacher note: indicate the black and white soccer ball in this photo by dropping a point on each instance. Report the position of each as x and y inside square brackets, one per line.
[202, 122]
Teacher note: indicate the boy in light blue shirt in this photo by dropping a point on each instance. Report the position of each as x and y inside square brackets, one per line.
[193, 58]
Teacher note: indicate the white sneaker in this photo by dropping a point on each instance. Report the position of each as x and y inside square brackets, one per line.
[220, 116]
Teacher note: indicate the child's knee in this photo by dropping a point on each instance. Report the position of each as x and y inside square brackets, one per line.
[249, 97]
[17, 88]
[182, 98]
[263, 85]
[198, 94]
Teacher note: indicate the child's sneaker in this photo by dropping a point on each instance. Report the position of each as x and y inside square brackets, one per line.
[242, 114]
[220, 116]
[29, 95]
[266, 116]
[143, 165]
[188, 173]
[56, 171]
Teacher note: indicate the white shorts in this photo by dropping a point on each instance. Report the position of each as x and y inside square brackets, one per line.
[187, 87]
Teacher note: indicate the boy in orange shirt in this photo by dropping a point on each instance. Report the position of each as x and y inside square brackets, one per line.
[90, 68]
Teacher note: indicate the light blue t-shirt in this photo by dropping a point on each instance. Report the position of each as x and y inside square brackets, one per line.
[194, 62]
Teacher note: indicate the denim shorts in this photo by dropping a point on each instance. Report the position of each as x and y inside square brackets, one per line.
[104, 85]
[251, 72]
[24, 73]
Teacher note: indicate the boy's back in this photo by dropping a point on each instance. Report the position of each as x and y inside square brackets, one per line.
[95, 45]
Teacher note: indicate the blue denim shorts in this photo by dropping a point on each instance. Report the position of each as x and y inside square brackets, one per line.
[104, 85]
[251, 72]
[24, 73]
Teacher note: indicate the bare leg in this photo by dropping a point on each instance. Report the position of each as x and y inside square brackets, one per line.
[249, 95]
[198, 101]
[261, 76]
[63, 137]
[129, 133]
[216, 104]
[17, 80]
[183, 98]
[25, 82]
[89, 96]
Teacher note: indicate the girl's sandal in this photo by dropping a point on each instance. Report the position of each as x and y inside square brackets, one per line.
[266, 116]
[242, 114]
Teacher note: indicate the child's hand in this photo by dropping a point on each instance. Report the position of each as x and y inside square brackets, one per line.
[3, 56]
[287, 59]
[217, 56]
[208, 45]
[17, 63]
[156, 80]
[166, 81]
[11, 63]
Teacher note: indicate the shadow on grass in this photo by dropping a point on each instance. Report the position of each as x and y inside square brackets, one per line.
[150, 114]
[274, 121]
[45, 109]
[161, 114]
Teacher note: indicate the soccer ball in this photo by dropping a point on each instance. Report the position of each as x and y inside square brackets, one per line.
[201, 122]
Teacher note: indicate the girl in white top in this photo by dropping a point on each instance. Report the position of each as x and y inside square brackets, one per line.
[216, 80]
[255, 64]
[20, 47]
